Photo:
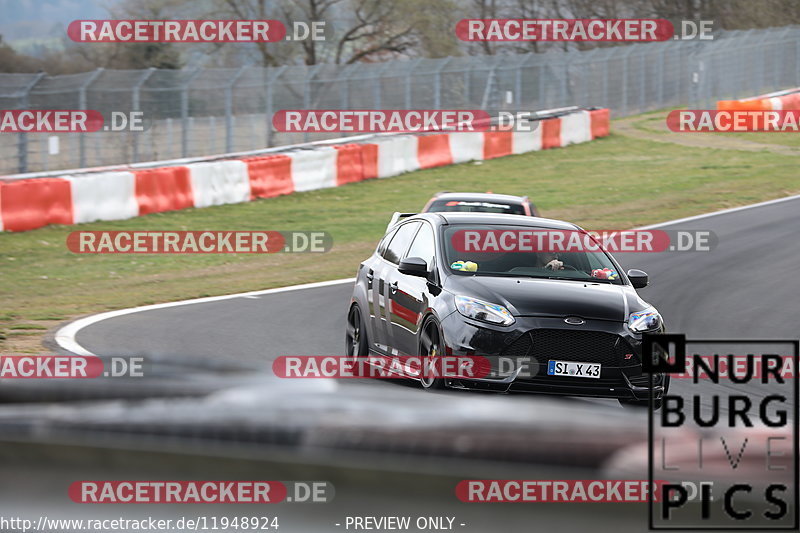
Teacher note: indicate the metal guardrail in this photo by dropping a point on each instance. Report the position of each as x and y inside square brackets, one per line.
[537, 115]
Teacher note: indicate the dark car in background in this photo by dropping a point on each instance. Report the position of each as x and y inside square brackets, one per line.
[448, 202]
[415, 297]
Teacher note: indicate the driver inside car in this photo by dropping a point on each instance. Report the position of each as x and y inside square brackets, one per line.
[549, 261]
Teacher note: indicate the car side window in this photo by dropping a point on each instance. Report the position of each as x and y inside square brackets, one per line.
[399, 243]
[385, 242]
[423, 245]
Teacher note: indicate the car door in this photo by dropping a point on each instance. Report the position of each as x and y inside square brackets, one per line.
[382, 278]
[372, 270]
[409, 295]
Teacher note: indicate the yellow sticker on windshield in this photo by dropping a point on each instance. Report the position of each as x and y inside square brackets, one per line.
[465, 266]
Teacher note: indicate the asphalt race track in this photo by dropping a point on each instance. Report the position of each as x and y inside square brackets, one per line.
[744, 289]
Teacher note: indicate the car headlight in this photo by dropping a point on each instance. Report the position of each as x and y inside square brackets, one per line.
[645, 320]
[484, 311]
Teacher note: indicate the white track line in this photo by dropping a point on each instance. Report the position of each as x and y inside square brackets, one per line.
[723, 212]
[65, 337]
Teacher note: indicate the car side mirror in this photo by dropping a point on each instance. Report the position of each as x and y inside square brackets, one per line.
[638, 278]
[413, 266]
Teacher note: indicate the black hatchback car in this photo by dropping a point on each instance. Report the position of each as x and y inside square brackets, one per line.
[565, 330]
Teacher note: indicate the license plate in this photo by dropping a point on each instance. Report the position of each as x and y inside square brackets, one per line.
[573, 370]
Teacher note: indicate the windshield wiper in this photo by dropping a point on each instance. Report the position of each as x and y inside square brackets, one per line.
[584, 280]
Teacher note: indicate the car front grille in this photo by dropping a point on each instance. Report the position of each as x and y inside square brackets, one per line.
[601, 347]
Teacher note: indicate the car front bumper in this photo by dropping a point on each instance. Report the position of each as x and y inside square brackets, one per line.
[518, 355]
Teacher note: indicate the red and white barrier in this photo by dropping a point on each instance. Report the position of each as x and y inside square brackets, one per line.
[103, 196]
[32, 203]
[778, 101]
[576, 128]
[466, 146]
[397, 155]
[526, 141]
[313, 169]
[219, 182]
[270, 176]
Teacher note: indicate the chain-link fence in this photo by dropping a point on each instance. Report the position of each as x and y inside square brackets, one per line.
[209, 111]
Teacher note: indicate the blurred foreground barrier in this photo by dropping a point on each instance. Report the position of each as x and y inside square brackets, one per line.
[89, 195]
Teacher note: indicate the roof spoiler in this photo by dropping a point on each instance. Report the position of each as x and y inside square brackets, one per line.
[397, 217]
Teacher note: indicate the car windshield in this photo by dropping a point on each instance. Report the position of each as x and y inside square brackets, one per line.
[476, 206]
[483, 256]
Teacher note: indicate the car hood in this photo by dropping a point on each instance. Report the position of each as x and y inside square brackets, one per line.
[545, 297]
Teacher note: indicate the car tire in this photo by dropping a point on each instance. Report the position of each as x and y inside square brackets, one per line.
[431, 346]
[356, 342]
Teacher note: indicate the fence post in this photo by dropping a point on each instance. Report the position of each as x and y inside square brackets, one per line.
[566, 90]
[661, 67]
[437, 83]
[543, 65]
[781, 64]
[376, 84]
[408, 83]
[229, 108]
[518, 79]
[22, 147]
[307, 93]
[344, 87]
[625, 56]
[642, 82]
[136, 106]
[185, 112]
[488, 88]
[82, 105]
[467, 83]
[271, 80]
[797, 60]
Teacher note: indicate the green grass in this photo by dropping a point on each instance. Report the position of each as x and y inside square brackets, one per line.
[28, 327]
[612, 183]
[655, 123]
